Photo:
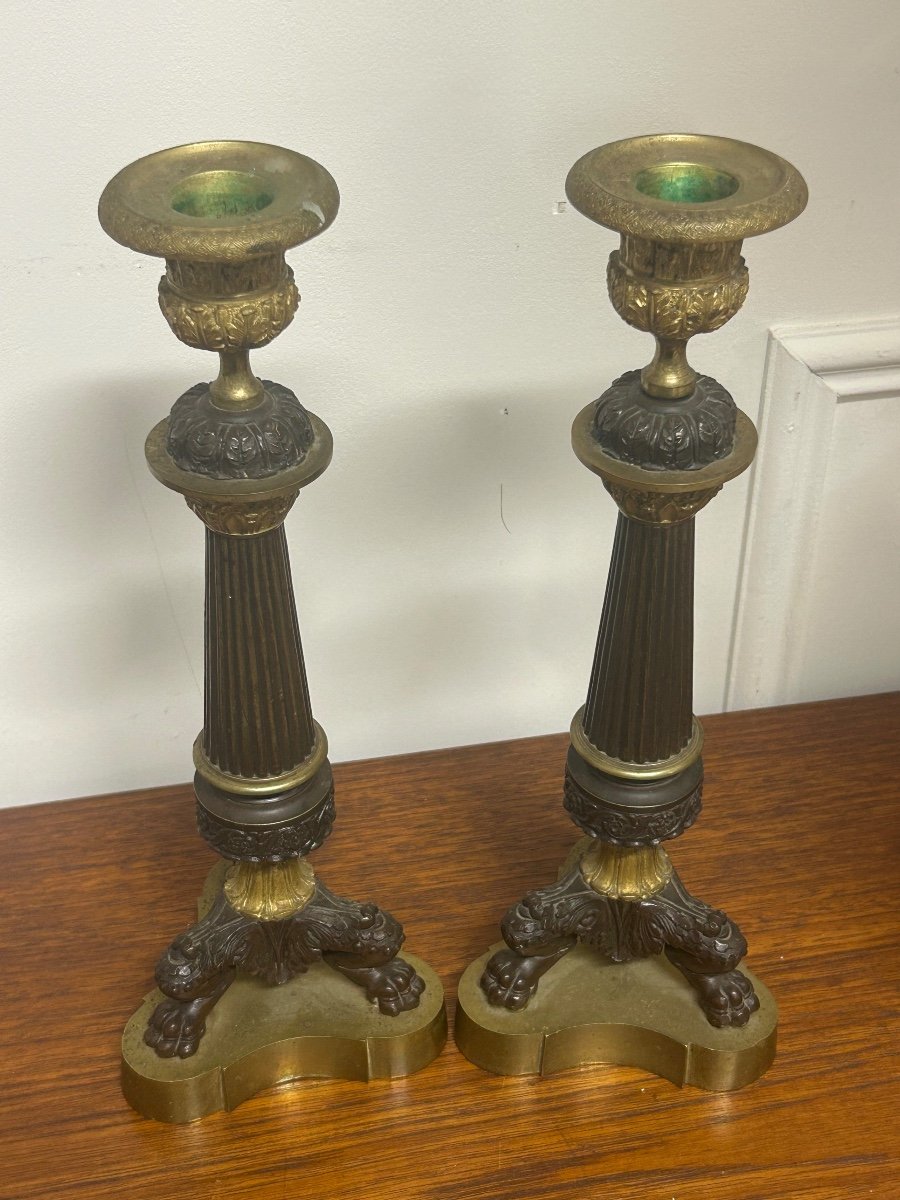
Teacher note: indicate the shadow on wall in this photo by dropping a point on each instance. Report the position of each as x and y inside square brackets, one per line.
[104, 676]
[447, 618]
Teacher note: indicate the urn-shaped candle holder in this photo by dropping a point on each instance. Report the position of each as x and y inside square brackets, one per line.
[643, 973]
[279, 978]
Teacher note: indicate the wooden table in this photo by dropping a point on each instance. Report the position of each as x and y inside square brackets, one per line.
[798, 841]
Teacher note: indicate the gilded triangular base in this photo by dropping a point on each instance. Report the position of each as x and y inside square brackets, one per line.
[638, 1014]
[318, 1025]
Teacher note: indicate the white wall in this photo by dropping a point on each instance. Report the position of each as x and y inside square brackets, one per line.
[453, 323]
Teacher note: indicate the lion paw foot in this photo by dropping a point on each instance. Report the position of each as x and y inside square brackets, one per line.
[175, 1028]
[509, 981]
[394, 986]
[727, 999]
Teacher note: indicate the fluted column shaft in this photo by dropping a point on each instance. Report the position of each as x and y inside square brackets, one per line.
[257, 716]
[640, 693]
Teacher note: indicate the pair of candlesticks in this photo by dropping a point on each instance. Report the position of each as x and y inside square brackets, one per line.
[279, 978]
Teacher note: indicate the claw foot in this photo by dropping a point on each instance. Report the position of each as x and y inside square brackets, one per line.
[727, 999]
[394, 986]
[509, 981]
[176, 1027]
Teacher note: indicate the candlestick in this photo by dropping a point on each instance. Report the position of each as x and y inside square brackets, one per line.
[239, 449]
[639, 971]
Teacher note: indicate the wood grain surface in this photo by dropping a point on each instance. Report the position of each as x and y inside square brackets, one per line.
[798, 841]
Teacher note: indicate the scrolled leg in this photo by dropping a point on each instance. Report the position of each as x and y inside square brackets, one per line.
[175, 1027]
[707, 947]
[193, 974]
[727, 998]
[362, 941]
[539, 931]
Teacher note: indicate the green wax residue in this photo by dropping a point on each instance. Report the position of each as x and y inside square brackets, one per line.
[685, 183]
[218, 194]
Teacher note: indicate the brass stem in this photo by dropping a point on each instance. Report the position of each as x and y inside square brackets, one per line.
[626, 872]
[669, 376]
[236, 387]
[270, 891]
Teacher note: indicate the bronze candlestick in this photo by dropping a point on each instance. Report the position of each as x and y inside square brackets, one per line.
[239, 449]
[647, 974]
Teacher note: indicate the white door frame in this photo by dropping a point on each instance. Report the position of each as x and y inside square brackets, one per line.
[809, 371]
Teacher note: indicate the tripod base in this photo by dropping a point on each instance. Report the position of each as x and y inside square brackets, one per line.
[637, 1014]
[318, 1025]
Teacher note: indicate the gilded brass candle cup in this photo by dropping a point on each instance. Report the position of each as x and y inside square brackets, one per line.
[279, 978]
[647, 974]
